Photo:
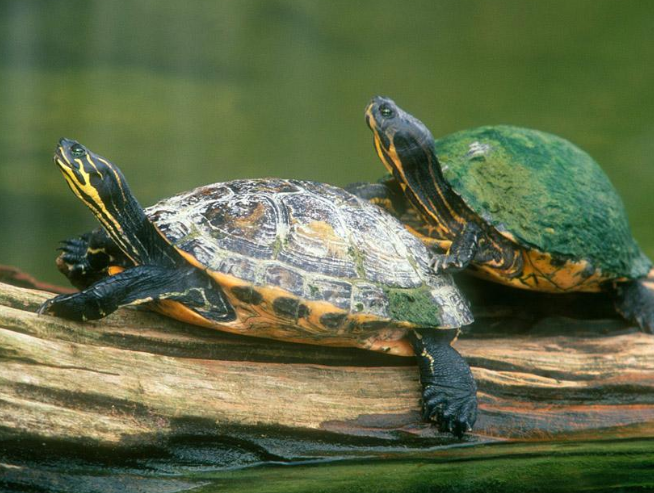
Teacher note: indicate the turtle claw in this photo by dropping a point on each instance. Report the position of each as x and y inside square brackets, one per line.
[74, 254]
[446, 263]
[45, 307]
[74, 245]
[58, 307]
[77, 306]
[82, 262]
[453, 410]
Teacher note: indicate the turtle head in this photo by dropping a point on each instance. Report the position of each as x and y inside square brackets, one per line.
[96, 181]
[401, 140]
[101, 186]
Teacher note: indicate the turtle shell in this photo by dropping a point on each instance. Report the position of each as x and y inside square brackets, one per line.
[309, 262]
[543, 192]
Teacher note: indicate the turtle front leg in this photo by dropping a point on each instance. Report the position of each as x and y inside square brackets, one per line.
[634, 300]
[462, 251]
[130, 287]
[449, 391]
[85, 260]
[144, 284]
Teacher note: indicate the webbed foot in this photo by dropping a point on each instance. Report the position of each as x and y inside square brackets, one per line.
[74, 256]
[634, 300]
[86, 259]
[454, 410]
[449, 391]
[447, 263]
[462, 251]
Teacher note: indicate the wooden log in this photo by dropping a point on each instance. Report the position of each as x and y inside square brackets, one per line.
[136, 381]
[16, 277]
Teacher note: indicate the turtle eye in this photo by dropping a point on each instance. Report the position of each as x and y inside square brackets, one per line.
[77, 150]
[385, 111]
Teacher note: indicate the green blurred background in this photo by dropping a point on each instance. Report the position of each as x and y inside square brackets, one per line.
[180, 94]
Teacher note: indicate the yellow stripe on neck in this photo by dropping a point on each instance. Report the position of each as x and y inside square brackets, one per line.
[97, 206]
[429, 208]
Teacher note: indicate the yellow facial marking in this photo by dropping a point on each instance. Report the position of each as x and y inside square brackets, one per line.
[378, 146]
[88, 194]
[90, 161]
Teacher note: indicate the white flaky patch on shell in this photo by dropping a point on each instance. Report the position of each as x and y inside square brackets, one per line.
[313, 240]
[478, 149]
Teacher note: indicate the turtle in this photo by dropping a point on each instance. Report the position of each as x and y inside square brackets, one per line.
[284, 259]
[517, 206]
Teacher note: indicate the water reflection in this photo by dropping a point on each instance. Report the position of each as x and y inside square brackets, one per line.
[183, 94]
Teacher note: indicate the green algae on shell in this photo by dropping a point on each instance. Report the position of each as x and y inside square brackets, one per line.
[545, 192]
[415, 306]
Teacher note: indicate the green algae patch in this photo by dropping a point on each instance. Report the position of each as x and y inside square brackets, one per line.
[545, 191]
[277, 246]
[413, 305]
[358, 258]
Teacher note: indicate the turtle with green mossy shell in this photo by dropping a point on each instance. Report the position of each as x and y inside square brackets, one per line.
[284, 259]
[516, 206]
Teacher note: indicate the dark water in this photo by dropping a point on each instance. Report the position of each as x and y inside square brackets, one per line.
[180, 94]
[184, 93]
[606, 466]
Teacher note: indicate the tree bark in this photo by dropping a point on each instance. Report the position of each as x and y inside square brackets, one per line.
[136, 380]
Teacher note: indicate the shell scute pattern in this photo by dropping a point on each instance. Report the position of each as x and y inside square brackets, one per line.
[330, 193]
[240, 267]
[381, 252]
[314, 242]
[316, 239]
[369, 298]
[321, 288]
[454, 303]
[243, 225]
[286, 278]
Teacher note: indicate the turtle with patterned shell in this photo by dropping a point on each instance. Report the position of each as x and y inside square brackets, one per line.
[292, 260]
[516, 206]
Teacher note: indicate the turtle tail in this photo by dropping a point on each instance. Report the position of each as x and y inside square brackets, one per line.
[635, 302]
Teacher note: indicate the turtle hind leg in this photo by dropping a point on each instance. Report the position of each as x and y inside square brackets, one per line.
[449, 391]
[634, 300]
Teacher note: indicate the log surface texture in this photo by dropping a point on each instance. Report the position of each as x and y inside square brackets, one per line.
[136, 380]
